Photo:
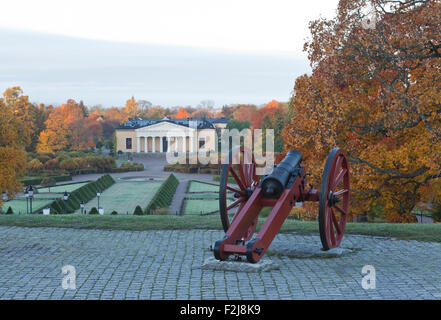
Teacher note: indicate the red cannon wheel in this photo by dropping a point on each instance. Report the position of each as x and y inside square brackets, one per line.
[241, 168]
[334, 199]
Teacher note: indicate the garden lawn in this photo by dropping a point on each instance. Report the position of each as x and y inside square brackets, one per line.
[197, 186]
[19, 206]
[206, 195]
[61, 188]
[193, 206]
[414, 231]
[124, 196]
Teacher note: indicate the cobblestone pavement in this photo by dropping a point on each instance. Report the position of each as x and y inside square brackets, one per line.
[166, 265]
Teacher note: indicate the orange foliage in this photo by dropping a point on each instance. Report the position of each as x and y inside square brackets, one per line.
[269, 110]
[13, 137]
[182, 114]
[376, 93]
[244, 112]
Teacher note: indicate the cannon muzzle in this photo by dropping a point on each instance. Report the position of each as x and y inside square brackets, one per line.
[274, 184]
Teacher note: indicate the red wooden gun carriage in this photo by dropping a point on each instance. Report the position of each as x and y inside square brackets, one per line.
[280, 190]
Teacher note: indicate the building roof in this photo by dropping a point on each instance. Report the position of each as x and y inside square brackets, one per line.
[204, 123]
[218, 120]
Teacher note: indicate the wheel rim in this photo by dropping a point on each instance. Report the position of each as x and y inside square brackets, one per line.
[334, 199]
[242, 168]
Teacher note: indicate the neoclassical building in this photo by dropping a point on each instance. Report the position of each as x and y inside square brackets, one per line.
[169, 135]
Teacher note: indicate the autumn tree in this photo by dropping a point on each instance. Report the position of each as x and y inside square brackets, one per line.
[272, 116]
[202, 113]
[41, 115]
[182, 114]
[227, 111]
[132, 109]
[245, 112]
[115, 114]
[155, 113]
[13, 138]
[375, 91]
[65, 129]
[24, 111]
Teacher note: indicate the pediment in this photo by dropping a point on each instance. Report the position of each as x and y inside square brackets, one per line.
[164, 126]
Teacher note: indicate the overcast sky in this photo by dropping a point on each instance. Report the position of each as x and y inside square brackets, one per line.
[168, 52]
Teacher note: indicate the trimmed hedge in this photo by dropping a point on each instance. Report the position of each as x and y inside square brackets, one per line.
[138, 211]
[84, 193]
[37, 179]
[164, 195]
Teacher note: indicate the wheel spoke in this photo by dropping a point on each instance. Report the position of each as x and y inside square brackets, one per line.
[331, 229]
[334, 220]
[242, 175]
[239, 182]
[339, 177]
[338, 162]
[237, 212]
[235, 190]
[246, 171]
[235, 203]
[340, 192]
[340, 209]
[251, 173]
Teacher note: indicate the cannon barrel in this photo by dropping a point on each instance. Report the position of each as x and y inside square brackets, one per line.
[274, 184]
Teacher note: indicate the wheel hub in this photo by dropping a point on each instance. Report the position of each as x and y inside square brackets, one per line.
[332, 199]
[248, 193]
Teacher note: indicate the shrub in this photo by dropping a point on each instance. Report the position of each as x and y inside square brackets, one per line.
[51, 164]
[34, 165]
[163, 195]
[138, 211]
[435, 211]
[113, 213]
[84, 193]
[93, 211]
[48, 181]
[43, 158]
[9, 211]
[35, 180]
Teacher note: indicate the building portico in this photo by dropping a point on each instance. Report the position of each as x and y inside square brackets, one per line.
[166, 135]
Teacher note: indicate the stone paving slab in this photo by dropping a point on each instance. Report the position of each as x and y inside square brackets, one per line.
[239, 266]
[166, 265]
[306, 250]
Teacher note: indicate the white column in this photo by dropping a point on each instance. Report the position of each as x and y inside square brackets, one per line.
[168, 144]
[161, 144]
[146, 143]
[191, 144]
[153, 144]
[184, 144]
[176, 144]
[138, 145]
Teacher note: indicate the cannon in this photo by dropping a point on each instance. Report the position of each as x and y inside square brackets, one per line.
[242, 195]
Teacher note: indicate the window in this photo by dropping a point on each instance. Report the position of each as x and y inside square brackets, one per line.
[201, 142]
[128, 143]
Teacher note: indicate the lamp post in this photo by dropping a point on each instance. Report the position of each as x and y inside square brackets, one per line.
[82, 206]
[65, 197]
[31, 195]
[98, 194]
[27, 200]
